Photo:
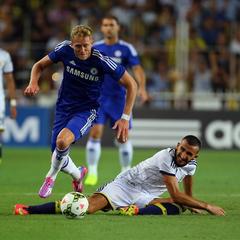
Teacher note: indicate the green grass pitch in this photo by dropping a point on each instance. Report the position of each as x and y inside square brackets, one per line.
[23, 170]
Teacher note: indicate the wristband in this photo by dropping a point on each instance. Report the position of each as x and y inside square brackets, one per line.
[13, 102]
[125, 117]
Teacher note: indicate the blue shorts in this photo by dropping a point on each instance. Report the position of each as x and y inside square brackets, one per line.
[111, 110]
[78, 123]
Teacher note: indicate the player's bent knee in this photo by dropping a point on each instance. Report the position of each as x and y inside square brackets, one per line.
[61, 144]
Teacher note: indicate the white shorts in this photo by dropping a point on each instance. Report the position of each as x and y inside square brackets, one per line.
[120, 193]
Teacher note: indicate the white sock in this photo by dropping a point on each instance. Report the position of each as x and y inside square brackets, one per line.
[70, 168]
[57, 161]
[125, 155]
[93, 152]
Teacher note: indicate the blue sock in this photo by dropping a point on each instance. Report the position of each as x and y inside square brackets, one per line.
[161, 209]
[46, 208]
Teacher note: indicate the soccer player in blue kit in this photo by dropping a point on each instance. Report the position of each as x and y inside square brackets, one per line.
[113, 97]
[77, 104]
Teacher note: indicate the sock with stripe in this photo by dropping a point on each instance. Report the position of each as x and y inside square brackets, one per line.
[161, 209]
[58, 159]
[125, 155]
[70, 168]
[93, 153]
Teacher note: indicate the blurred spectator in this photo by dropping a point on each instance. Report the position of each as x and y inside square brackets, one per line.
[208, 31]
[59, 37]
[40, 33]
[220, 65]
[158, 79]
[201, 76]
[235, 60]
[149, 25]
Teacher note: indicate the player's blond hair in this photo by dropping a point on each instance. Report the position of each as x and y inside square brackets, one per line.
[81, 31]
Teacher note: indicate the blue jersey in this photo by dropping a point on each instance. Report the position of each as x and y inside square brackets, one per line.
[123, 53]
[82, 79]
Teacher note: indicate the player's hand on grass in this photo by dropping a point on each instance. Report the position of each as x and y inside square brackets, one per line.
[31, 90]
[215, 210]
[121, 126]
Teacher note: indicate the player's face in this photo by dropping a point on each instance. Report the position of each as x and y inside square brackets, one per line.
[185, 153]
[82, 46]
[110, 28]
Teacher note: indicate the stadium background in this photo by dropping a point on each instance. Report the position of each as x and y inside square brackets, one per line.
[189, 50]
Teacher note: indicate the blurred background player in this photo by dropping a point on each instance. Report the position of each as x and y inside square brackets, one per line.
[77, 103]
[6, 73]
[113, 96]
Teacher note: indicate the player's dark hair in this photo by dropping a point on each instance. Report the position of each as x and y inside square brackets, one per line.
[110, 16]
[193, 140]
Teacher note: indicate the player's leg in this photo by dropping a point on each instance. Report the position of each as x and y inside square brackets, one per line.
[93, 152]
[46, 208]
[125, 151]
[97, 202]
[153, 209]
[79, 125]
[74, 129]
[125, 155]
[77, 173]
[59, 157]
[155, 206]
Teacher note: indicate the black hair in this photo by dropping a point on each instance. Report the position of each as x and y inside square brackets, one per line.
[193, 140]
[110, 16]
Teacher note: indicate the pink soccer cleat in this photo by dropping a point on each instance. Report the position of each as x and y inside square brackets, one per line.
[46, 189]
[78, 185]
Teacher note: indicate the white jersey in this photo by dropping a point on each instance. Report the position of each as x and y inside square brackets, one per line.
[144, 182]
[148, 175]
[6, 66]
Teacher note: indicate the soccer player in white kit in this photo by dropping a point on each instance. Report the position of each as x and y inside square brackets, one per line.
[6, 73]
[143, 184]
[138, 190]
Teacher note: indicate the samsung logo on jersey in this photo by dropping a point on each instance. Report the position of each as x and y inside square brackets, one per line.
[80, 74]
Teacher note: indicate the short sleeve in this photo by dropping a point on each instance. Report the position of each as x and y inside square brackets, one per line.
[133, 58]
[8, 66]
[164, 162]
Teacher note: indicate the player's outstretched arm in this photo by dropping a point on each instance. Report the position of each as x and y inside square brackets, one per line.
[188, 201]
[37, 69]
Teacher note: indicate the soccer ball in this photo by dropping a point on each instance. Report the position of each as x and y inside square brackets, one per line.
[74, 205]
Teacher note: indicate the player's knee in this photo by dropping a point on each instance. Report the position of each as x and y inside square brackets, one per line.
[96, 202]
[96, 132]
[92, 207]
[61, 143]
